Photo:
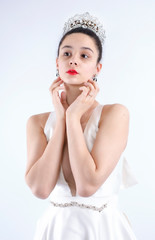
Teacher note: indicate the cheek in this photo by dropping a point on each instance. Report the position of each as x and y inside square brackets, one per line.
[90, 69]
[61, 67]
[60, 63]
[62, 70]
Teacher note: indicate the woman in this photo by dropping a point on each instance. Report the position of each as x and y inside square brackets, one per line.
[73, 152]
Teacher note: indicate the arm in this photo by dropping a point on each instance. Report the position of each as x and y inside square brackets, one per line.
[44, 159]
[91, 169]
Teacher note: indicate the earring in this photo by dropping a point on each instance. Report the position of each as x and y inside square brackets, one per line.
[57, 73]
[94, 78]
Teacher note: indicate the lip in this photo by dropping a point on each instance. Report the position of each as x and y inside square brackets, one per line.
[72, 72]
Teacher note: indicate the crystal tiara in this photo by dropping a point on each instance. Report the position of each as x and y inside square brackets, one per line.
[85, 20]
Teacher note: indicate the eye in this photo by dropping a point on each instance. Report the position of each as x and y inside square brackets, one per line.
[67, 54]
[84, 56]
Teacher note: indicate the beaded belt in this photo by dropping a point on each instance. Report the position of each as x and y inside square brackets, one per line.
[76, 204]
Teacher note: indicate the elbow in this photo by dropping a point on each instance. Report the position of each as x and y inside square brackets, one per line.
[86, 191]
[40, 195]
[38, 191]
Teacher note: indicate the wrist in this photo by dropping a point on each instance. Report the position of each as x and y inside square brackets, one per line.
[72, 123]
[60, 117]
[72, 117]
[60, 122]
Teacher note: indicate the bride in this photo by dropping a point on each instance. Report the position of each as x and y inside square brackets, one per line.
[74, 151]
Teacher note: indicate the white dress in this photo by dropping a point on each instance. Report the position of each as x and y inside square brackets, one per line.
[97, 217]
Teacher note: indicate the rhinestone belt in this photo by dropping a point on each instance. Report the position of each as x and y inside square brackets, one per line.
[76, 204]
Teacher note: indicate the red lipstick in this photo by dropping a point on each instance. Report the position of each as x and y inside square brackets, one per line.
[72, 72]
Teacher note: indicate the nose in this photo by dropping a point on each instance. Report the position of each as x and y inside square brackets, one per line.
[73, 62]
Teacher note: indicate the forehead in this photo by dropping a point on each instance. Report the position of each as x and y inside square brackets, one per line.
[78, 40]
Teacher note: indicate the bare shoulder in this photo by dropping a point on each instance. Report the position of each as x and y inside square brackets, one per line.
[38, 120]
[114, 112]
[117, 108]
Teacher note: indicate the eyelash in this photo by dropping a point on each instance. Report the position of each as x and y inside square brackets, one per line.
[66, 53]
[83, 55]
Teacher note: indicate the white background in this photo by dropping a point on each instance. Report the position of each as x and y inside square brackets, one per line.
[30, 31]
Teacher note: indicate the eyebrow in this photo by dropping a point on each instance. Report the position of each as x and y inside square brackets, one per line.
[87, 48]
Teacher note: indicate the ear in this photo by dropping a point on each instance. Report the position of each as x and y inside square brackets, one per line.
[99, 67]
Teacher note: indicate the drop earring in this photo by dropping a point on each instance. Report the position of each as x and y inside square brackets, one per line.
[94, 78]
[57, 73]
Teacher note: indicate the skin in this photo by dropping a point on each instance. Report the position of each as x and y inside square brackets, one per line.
[84, 171]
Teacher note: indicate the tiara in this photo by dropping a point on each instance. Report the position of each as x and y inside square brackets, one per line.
[85, 20]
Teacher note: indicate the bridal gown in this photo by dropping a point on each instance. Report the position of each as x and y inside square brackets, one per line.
[97, 217]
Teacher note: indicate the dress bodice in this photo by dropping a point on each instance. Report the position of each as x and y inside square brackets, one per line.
[121, 176]
[80, 218]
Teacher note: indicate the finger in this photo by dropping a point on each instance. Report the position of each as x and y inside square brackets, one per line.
[92, 91]
[96, 88]
[64, 100]
[84, 90]
[90, 86]
[63, 97]
[55, 84]
[94, 84]
[55, 91]
[58, 80]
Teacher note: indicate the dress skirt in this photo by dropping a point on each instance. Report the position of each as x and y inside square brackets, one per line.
[83, 223]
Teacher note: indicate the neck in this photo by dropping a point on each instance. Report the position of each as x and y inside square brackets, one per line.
[72, 92]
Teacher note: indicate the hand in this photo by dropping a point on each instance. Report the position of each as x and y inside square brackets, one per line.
[59, 102]
[85, 100]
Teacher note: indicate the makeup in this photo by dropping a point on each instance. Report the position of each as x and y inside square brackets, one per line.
[72, 72]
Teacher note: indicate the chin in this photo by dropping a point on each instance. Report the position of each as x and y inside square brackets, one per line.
[73, 80]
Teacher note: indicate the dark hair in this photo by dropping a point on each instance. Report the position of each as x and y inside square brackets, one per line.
[87, 32]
